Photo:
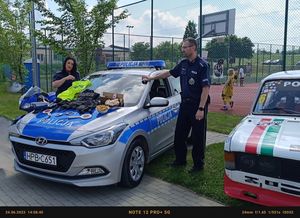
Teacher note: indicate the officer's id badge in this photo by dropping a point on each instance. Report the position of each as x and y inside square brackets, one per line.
[191, 81]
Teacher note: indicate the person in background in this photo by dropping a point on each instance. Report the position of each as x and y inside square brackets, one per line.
[248, 69]
[63, 79]
[235, 76]
[195, 84]
[242, 76]
[227, 91]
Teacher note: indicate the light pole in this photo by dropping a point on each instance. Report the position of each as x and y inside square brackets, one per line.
[113, 25]
[129, 27]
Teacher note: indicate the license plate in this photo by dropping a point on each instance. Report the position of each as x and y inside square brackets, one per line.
[40, 158]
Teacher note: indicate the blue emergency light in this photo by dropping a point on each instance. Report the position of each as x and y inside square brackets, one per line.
[157, 64]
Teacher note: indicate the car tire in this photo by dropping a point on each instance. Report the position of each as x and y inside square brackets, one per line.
[134, 164]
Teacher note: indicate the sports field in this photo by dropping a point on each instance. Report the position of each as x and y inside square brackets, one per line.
[243, 98]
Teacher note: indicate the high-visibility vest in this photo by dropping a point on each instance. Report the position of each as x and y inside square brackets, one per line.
[77, 87]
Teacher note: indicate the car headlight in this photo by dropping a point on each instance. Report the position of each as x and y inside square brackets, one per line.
[13, 130]
[104, 137]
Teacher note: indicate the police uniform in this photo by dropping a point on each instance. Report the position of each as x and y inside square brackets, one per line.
[61, 74]
[193, 77]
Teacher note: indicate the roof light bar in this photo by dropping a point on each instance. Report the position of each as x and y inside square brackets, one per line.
[158, 64]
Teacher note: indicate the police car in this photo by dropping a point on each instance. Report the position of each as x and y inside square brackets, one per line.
[262, 154]
[106, 147]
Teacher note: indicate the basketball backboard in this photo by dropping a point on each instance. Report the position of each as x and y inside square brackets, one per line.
[218, 23]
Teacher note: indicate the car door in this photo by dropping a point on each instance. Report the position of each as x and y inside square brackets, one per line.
[163, 119]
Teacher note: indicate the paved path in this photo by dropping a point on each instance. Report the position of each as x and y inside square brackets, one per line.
[17, 189]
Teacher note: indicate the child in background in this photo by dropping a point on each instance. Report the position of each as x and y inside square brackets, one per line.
[227, 91]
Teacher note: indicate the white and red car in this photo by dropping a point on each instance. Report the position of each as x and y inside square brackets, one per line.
[262, 154]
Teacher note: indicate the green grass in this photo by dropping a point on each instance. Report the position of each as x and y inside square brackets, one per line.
[219, 122]
[9, 102]
[208, 182]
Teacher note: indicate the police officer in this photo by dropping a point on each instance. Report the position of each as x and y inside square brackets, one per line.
[63, 79]
[195, 84]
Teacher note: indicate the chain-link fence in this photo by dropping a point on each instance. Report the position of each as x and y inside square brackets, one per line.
[266, 59]
[262, 22]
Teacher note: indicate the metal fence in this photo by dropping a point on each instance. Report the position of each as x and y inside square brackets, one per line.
[263, 22]
[265, 60]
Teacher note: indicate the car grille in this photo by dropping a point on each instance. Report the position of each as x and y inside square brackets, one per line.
[274, 167]
[64, 158]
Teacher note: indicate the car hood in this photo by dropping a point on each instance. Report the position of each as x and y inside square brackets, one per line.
[60, 127]
[272, 136]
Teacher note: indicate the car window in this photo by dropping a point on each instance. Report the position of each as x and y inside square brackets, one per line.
[280, 97]
[129, 85]
[175, 83]
[159, 88]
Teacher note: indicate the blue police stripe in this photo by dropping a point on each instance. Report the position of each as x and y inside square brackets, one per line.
[150, 123]
[144, 125]
[57, 127]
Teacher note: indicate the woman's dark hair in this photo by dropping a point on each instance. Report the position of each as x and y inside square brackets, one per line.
[74, 69]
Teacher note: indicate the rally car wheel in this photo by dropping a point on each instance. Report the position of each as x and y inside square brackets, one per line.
[134, 164]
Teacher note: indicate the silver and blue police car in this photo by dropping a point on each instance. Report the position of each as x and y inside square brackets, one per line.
[104, 148]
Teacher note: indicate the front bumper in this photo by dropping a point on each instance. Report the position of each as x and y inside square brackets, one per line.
[258, 195]
[109, 157]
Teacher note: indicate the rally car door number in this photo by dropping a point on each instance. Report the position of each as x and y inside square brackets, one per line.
[40, 158]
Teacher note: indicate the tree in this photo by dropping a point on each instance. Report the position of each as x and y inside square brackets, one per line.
[232, 47]
[190, 30]
[14, 44]
[216, 49]
[140, 51]
[245, 49]
[80, 30]
[166, 51]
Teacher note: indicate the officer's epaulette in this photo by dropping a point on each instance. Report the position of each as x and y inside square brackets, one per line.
[182, 59]
[203, 62]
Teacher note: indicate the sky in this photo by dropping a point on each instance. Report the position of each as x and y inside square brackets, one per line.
[260, 20]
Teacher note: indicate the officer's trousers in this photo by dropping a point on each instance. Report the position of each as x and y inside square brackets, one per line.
[185, 121]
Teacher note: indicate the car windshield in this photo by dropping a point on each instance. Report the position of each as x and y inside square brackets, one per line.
[280, 97]
[130, 86]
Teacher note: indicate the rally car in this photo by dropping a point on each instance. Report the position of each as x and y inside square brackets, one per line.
[262, 154]
[106, 144]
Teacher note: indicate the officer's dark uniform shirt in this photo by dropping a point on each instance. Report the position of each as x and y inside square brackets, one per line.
[193, 77]
[67, 83]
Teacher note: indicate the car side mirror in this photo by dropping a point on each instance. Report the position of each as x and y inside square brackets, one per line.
[157, 102]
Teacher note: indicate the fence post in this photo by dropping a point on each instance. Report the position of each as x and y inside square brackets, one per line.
[51, 60]
[46, 62]
[124, 47]
[257, 62]
[263, 67]
[285, 35]
[293, 58]
[172, 52]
